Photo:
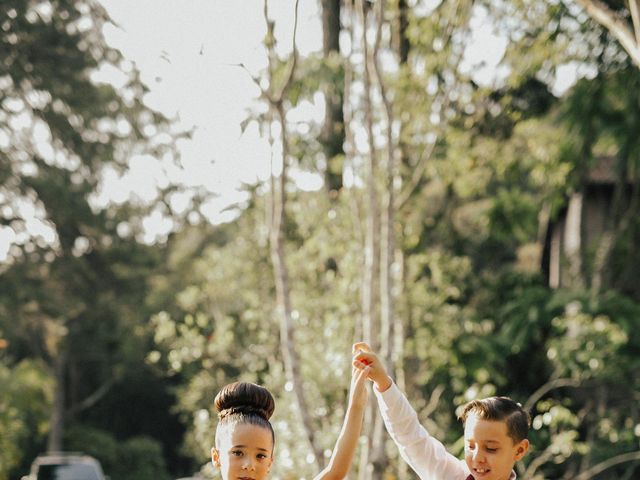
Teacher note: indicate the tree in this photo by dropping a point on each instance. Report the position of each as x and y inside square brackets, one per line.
[74, 280]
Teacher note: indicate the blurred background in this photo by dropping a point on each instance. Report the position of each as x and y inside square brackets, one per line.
[195, 193]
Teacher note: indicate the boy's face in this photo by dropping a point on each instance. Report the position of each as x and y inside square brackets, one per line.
[488, 449]
[244, 452]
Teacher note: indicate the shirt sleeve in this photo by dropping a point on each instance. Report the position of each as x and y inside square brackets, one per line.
[424, 454]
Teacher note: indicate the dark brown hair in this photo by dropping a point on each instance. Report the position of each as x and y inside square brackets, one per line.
[243, 402]
[501, 409]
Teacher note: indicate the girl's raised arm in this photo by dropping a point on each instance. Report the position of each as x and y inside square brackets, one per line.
[347, 442]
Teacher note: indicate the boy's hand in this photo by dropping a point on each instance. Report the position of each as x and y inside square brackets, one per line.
[364, 358]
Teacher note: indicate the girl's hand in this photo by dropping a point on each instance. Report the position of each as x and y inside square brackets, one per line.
[364, 358]
[359, 394]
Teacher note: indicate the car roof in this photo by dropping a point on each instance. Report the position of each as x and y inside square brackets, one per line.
[65, 458]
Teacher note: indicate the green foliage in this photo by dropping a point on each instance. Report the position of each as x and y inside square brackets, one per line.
[98, 443]
[136, 458]
[27, 391]
[583, 345]
[141, 458]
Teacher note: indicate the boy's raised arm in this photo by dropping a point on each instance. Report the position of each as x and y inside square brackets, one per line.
[424, 454]
[347, 442]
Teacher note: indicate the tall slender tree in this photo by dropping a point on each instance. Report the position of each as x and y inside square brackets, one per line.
[333, 135]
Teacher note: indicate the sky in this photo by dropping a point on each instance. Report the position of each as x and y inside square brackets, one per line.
[188, 54]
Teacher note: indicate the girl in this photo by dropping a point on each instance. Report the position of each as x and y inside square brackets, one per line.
[245, 438]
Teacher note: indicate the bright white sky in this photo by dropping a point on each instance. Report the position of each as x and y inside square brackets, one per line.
[187, 53]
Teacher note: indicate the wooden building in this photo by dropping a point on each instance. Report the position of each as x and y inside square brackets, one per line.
[575, 240]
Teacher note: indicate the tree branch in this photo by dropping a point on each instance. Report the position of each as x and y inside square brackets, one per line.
[634, 8]
[92, 399]
[294, 60]
[416, 176]
[608, 19]
[254, 79]
[547, 387]
[611, 462]
[537, 462]
[434, 399]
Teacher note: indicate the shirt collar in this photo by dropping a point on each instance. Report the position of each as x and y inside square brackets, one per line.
[511, 477]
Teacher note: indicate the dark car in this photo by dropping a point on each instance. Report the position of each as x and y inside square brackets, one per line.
[65, 466]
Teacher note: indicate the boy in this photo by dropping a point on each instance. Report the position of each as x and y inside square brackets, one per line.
[495, 431]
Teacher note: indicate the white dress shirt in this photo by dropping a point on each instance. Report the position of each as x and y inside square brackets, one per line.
[424, 454]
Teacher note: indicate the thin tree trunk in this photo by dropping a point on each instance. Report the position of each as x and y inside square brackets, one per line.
[387, 237]
[371, 271]
[387, 243]
[350, 147]
[402, 45]
[332, 136]
[290, 356]
[370, 310]
[399, 330]
[56, 433]
[402, 48]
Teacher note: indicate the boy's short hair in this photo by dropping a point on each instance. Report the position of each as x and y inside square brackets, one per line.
[501, 409]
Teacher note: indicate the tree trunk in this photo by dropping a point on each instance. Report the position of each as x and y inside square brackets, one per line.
[387, 231]
[371, 271]
[290, 356]
[402, 48]
[388, 280]
[332, 136]
[401, 42]
[380, 246]
[370, 287]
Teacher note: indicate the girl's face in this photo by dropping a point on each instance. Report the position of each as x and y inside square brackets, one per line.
[244, 452]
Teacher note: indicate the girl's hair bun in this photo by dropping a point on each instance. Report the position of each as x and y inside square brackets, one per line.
[245, 399]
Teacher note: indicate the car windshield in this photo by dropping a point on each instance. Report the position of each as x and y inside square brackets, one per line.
[67, 472]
